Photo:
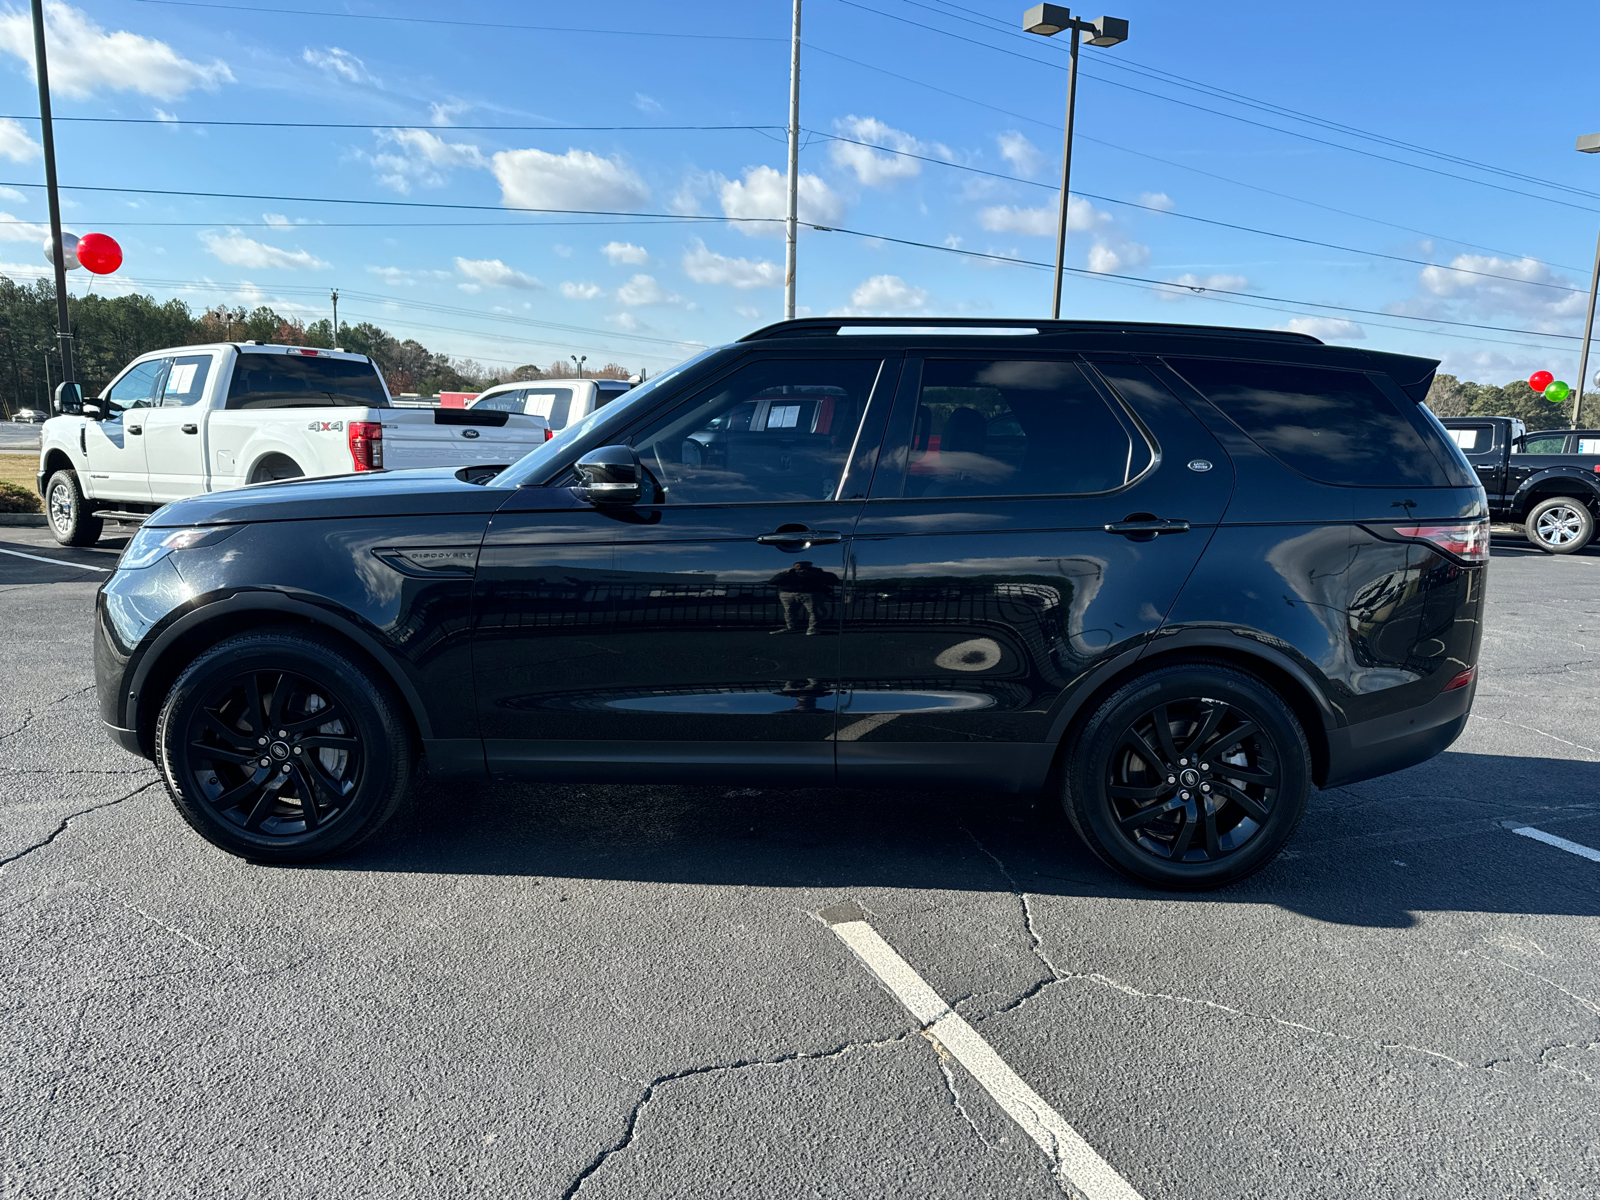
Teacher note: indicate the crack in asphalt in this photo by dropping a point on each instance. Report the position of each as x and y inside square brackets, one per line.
[70, 818]
[630, 1131]
[1534, 729]
[30, 714]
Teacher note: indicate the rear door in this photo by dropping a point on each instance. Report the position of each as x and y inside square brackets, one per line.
[1484, 451]
[1532, 453]
[174, 430]
[984, 585]
[116, 447]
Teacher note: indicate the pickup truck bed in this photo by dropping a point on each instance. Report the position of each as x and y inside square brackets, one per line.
[181, 422]
[1548, 481]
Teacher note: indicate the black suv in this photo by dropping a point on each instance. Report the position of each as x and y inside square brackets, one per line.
[1173, 575]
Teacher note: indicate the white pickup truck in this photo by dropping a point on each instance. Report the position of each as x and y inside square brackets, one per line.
[195, 419]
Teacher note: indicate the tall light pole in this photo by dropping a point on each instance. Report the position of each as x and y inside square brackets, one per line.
[791, 225]
[48, 139]
[578, 362]
[335, 318]
[1047, 20]
[1588, 144]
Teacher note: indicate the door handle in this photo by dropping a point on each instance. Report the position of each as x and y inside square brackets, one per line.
[1145, 530]
[191, 429]
[135, 428]
[801, 536]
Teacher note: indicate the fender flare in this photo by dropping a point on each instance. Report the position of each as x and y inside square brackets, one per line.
[271, 602]
[1587, 484]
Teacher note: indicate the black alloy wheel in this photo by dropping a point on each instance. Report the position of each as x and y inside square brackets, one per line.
[1192, 777]
[277, 747]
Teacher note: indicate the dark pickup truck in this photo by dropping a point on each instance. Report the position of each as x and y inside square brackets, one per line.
[1548, 481]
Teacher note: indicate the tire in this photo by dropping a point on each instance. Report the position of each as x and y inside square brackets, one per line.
[216, 729]
[1161, 833]
[68, 511]
[1560, 525]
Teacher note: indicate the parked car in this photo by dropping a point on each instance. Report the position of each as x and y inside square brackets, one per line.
[29, 416]
[1175, 576]
[559, 401]
[1548, 481]
[196, 419]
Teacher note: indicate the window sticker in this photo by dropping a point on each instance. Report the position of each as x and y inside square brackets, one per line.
[1589, 445]
[181, 378]
[783, 416]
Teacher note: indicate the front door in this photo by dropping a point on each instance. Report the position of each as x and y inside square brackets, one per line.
[700, 626]
[116, 446]
[174, 431]
[984, 586]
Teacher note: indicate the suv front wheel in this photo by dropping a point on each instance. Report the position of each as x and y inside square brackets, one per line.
[1191, 777]
[279, 748]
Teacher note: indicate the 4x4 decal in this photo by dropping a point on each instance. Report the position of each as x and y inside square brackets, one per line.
[326, 426]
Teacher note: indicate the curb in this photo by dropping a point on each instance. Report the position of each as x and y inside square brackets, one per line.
[22, 519]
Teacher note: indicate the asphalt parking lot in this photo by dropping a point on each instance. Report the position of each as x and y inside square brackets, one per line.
[623, 991]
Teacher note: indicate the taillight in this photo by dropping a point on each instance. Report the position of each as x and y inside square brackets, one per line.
[366, 445]
[1461, 679]
[1465, 540]
[550, 433]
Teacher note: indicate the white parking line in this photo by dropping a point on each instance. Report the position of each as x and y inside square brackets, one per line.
[1075, 1161]
[1560, 843]
[55, 562]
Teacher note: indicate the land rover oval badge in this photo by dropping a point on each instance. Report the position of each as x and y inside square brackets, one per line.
[1199, 464]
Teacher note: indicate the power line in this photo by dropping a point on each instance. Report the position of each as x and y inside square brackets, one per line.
[1234, 116]
[400, 125]
[1288, 237]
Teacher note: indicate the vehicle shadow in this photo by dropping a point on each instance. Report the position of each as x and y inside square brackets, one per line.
[1425, 840]
[43, 561]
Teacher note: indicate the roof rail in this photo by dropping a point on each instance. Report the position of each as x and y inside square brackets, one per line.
[829, 326]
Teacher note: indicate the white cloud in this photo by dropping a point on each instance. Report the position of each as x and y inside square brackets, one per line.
[1466, 289]
[1157, 200]
[562, 251]
[85, 58]
[394, 276]
[748, 311]
[276, 220]
[762, 197]
[581, 291]
[643, 290]
[1196, 284]
[1025, 158]
[886, 295]
[647, 104]
[1110, 254]
[707, 266]
[15, 143]
[237, 250]
[11, 194]
[491, 272]
[338, 64]
[1041, 222]
[872, 168]
[444, 112]
[626, 321]
[13, 229]
[620, 253]
[574, 180]
[1329, 329]
[421, 158]
[163, 115]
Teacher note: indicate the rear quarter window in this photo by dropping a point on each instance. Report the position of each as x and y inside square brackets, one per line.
[1331, 425]
[302, 381]
[1549, 443]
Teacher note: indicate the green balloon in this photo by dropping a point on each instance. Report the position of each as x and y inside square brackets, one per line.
[1557, 392]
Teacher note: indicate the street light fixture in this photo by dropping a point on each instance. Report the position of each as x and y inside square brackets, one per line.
[1047, 20]
[1589, 143]
[578, 362]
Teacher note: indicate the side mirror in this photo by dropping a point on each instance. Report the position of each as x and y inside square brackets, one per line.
[68, 400]
[610, 475]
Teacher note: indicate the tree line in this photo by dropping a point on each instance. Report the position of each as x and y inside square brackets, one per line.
[111, 331]
[1452, 397]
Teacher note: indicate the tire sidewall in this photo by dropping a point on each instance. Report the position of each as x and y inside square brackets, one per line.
[1586, 534]
[385, 768]
[81, 529]
[1089, 806]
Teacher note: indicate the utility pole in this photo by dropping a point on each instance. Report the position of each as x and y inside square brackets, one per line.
[48, 138]
[1588, 332]
[336, 318]
[791, 226]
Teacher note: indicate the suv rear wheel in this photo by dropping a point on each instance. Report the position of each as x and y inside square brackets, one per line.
[279, 748]
[1191, 777]
[1560, 525]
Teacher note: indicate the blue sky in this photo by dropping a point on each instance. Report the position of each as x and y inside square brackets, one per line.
[962, 113]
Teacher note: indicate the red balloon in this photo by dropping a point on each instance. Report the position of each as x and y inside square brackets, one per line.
[1538, 381]
[100, 253]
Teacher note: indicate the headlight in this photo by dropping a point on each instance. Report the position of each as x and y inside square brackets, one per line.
[152, 545]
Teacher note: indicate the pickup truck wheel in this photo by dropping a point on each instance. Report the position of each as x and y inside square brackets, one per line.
[279, 748]
[68, 510]
[1188, 778]
[1560, 525]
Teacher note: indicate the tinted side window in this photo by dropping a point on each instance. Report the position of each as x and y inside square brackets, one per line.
[1331, 425]
[267, 380]
[134, 389]
[1473, 439]
[773, 430]
[509, 401]
[1015, 427]
[1546, 443]
[553, 404]
[186, 380]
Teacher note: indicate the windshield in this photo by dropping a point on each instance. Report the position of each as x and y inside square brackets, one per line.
[533, 465]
